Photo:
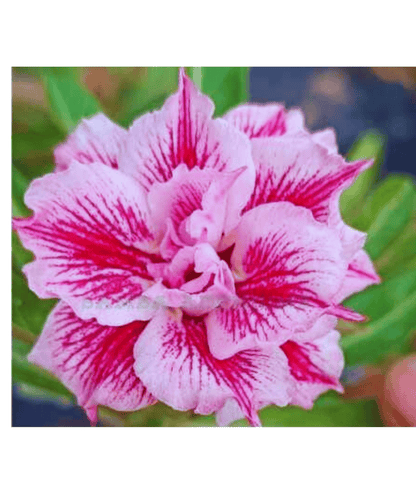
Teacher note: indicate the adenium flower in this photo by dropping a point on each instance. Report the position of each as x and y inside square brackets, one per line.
[199, 262]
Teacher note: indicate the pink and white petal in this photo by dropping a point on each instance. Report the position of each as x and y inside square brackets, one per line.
[273, 120]
[94, 362]
[95, 140]
[178, 197]
[287, 267]
[352, 240]
[196, 281]
[324, 325]
[91, 241]
[174, 363]
[360, 275]
[229, 413]
[258, 120]
[196, 203]
[295, 121]
[219, 213]
[183, 132]
[328, 139]
[297, 170]
[315, 366]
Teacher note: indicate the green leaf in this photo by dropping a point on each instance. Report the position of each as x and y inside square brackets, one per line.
[23, 372]
[149, 94]
[28, 311]
[400, 255]
[378, 300]
[68, 100]
[386, 213]
[19, 186]
[328, 411]
[227, 86]
[370, 144]
[390, 334]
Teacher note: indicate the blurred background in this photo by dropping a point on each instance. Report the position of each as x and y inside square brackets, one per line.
[353, 101]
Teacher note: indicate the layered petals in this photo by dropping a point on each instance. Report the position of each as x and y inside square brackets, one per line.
[92, 242]
[199, 261]
[183, 132]
[95, 140]
[174, 362]
[272, 120]
[288, 268]
[313, 363]
[95, 362]
[196, 280]
[192, 206]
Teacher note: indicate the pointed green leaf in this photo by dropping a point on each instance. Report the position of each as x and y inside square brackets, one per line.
[401, 253]
[369, 145]
[390, 334]
[392, 213]
[386, 213]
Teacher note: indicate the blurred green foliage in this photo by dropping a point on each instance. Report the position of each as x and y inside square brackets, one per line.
[385, 209]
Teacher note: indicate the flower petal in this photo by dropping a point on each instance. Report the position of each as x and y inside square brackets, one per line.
[328, 139]
[183, 131]
[315, 367]
[174, 362]
[289, 268]
[92, 244]
[95, 140]
[297, 170]
[192, 206]
[259, 120]
[360, 275]
[272, 120]
[314, 363]
[196, 281]
[95, 362]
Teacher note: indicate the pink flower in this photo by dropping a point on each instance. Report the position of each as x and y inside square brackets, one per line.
[200, 262]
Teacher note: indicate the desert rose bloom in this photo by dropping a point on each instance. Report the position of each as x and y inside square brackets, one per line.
[199, 262]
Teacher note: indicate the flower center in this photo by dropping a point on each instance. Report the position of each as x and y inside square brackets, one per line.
[196, 280]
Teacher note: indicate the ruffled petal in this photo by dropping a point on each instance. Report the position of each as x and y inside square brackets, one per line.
[313, 362]
[95, 140]
[259, 120]
[289, 268]
[192, 206]
[328, 139]
[91, 241]
[315, 367]
[272, 120]
[196, 281]
[95, 362]
[183, 132]
[174, 362]
[297, 170]
[360, 275]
